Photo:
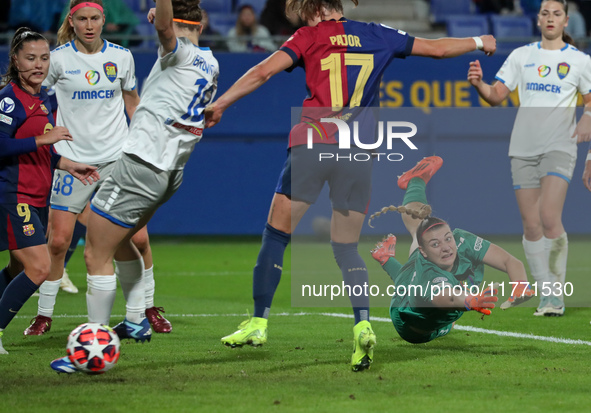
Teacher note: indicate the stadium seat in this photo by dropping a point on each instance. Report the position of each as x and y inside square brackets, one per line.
[504, 27]
[441, 9]
[222, 22]
[147, 30]
[139, 5]
[217, 6]
[467, 26]
[511, 32]
[257, 5]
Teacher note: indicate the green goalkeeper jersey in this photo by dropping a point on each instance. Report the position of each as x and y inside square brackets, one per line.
[422, 279]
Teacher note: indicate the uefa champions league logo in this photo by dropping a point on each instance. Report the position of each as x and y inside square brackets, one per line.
[7, 105]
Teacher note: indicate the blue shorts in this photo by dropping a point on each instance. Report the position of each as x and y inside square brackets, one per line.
[22, 226]
[347, 171]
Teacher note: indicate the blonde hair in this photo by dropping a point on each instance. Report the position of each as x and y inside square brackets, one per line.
[66, 32]
[307, 9]
[417, 213]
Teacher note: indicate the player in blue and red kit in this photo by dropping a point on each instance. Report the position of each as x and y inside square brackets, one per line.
[26, 158]
[344, 61]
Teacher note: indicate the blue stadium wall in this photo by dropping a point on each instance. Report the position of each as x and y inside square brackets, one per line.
[230, 178]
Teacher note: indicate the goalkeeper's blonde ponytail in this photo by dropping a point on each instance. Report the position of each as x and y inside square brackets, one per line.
[417, 213]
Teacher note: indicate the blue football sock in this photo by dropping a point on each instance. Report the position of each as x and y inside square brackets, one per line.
[267, 271]
[4, 280]
[79, 232]
[16, 295]
[355, 277]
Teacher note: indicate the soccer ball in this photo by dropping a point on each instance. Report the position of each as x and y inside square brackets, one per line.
[93, 348]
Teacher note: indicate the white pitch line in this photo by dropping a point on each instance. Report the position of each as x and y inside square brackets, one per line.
[380, 319]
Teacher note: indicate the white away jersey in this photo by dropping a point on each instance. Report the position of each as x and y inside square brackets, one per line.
[169, 120]
[548, 82]
[90, 102]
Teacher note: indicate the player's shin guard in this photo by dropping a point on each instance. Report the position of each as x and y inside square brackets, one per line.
[47, 295]
[392, 267]
[415, 192]
[130, 275]
[355, 277]
[558, 254]
[4, 280]
[537, 259]
[149, 286]
[100, 297]
[267, 271]
[15, 296]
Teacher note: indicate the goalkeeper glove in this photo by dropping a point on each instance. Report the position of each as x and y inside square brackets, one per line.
[482, 302]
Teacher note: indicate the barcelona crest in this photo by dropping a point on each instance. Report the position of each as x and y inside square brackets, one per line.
[110, 69]
[563, 69]
[28, 230]
[44, 109]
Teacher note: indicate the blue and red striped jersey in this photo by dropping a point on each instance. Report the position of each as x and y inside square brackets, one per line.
[344, 62]
[25, 170]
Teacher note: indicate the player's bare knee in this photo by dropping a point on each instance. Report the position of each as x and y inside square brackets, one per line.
[37, 271]
[552, 225]
[141, 242]
[58, 244]
[532, 231]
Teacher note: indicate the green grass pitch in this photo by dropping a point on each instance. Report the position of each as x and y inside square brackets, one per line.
[205, 286]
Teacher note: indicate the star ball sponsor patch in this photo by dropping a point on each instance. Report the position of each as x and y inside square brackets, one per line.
[563, 69]
[28, 230]
[110, 69]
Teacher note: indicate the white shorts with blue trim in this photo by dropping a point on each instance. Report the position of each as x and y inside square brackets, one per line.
[69, 194]
[133, 190]
[528, 172]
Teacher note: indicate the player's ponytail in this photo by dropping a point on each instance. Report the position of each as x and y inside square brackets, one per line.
[66, 32]
[307, 9]
[417, 213]
[22, 36]
[423, 213]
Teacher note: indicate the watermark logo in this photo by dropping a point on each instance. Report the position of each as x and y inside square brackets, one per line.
[390, 132]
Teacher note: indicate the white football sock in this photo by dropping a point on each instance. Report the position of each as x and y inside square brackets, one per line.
[537, 259]
[2, 351]
[47, 295]
[150, 286]
[130, 275]
[100, 297]
[558, 254]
